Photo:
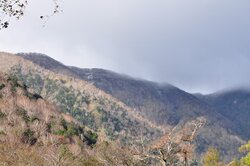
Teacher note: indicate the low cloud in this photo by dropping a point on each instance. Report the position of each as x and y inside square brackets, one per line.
[196, 45]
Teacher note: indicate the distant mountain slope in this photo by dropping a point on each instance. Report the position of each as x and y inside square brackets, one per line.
[87, 104]
[233, 104]
[48, 63]
[161, 104]
[166, 104]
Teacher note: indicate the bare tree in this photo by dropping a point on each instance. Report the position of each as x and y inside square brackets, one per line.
[175, 147]
[16, 9]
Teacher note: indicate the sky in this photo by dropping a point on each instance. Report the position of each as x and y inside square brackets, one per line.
[197, 45]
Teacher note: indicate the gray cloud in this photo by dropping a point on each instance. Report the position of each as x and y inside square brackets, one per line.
[195, 45]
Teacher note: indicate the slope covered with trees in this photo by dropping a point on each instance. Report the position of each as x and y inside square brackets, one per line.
[161, 104]
[36, 132]
[87, 104]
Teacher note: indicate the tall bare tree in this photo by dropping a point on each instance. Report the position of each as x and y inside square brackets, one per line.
[175, 147]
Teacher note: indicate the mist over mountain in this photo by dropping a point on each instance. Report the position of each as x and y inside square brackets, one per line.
[233, 104]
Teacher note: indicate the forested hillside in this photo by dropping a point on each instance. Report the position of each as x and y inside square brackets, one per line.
[134, 118]
[161, 104]
[34, 132]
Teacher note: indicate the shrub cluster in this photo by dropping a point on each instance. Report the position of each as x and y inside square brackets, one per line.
[69, 129]
[2, 86]
[28, 137]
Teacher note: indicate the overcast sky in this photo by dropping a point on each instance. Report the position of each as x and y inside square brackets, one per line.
[197, 45]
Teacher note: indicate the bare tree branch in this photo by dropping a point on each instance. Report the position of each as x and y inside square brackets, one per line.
[16, 8]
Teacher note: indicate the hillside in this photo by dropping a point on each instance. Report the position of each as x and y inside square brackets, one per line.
[48, 63]
[87, 104]
[34, 132]
[233, 104]
[124, 136]
[166, 104]
[161, 104]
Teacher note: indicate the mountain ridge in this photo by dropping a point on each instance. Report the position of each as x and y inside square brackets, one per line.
[26, 71]
[165, 105]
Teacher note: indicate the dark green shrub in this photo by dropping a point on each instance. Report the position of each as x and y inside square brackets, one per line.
[64, 124]
[14, 82]
[28, 137]
[33, 96]
[13, 89]
[91, 137]
[2, 115]
[23, 113]
[2, 133]
[49, 127]
[60, 132]
[86, 100]
[69, 129]
[72, 130]
[2, 86]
